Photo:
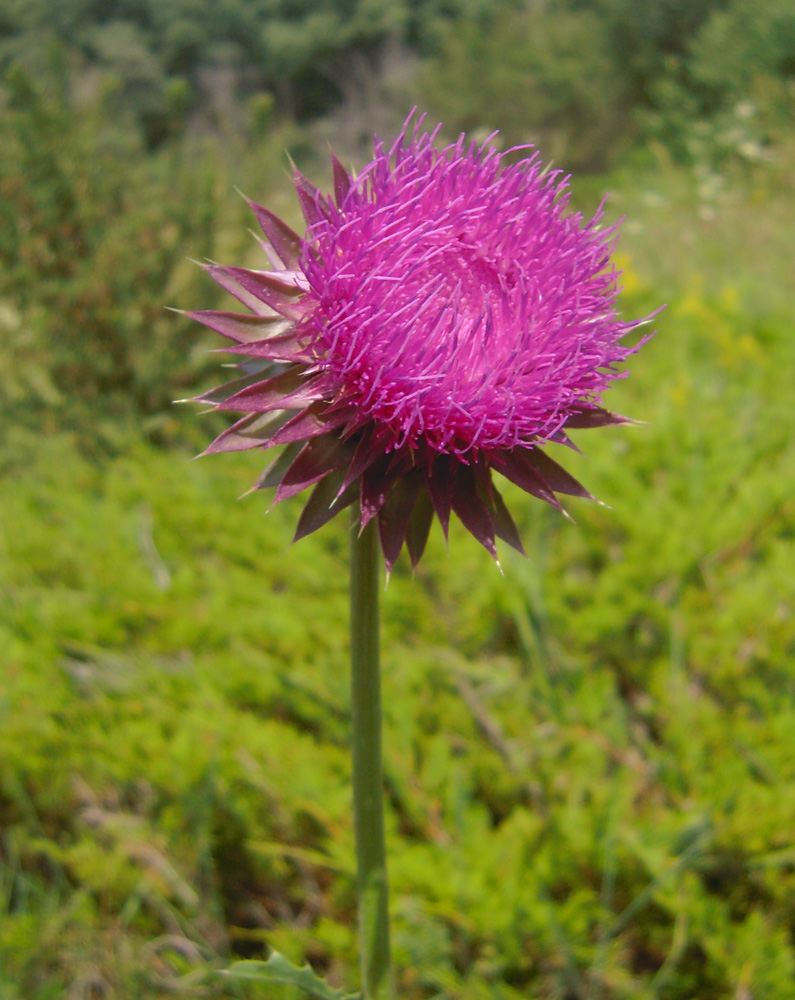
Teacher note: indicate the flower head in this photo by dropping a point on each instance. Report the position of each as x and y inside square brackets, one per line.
[444, 316]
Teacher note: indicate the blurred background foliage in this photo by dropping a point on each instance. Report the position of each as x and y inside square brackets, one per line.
[590, 761]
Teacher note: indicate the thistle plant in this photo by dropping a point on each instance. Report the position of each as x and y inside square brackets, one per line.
[444, 317]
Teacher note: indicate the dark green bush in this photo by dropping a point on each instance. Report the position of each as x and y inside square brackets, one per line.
[538, 74]
[92, 248]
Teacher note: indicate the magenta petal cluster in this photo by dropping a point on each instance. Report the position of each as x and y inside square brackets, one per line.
[444, 316]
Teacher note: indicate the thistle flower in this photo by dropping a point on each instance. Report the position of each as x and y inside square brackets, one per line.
[443, 318]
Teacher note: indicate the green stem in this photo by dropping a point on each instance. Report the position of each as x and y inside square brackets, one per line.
[368, 806]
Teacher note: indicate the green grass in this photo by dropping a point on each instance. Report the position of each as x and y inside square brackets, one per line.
[590, 760]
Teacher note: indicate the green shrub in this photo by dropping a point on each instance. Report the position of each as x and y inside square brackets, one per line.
[94, 248]
[539, 74]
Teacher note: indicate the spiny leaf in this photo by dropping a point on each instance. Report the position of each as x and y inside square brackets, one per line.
[595, 416]
[241, 327]
[325, 501]
[278, 970]
[342, 181]
[318, 457]
[393, 518]
[264, 287]
[555, 475]
[284, 240]
[440, 481]
[252, 431]
[515, 466]
[419, 527]
[471, 508]
[291, 390]
[504, 524]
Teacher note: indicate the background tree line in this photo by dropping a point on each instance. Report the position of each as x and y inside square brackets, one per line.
[593, 75]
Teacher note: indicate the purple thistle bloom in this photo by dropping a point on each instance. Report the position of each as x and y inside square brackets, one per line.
[443, 317]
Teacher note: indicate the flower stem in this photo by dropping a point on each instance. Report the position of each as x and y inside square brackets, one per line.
[368, 806]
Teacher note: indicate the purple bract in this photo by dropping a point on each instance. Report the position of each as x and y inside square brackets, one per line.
[443, 317]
